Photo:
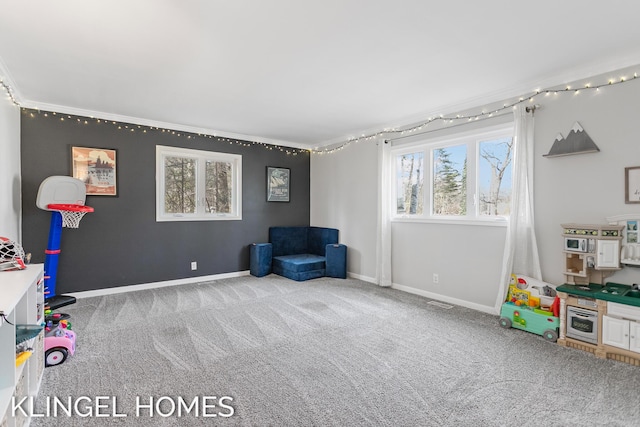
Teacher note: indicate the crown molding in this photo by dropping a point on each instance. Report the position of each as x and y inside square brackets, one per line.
[155, 123]
[6, 77]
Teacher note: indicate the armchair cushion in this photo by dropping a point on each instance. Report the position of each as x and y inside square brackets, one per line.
[300, 253]
[336, 261]
[260, 259]
[288, 240]
[298, 263]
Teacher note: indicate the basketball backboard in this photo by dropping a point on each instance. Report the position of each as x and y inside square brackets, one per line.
[61, 190]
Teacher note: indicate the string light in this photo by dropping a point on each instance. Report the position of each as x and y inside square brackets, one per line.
[9, 92]
[472, 117]
[340, 146]
[132, 128]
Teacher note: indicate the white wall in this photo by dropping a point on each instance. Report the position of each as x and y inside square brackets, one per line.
[585, 188]
[9, 169]
[344, 195]
[467, 258]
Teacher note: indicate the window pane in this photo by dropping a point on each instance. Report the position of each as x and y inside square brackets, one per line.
[450, 180]
[410, 179]
[179, 185]
[494, 176]
[218, 187]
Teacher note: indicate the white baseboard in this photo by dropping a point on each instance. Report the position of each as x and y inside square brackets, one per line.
[363, 278]
[444, 298]
[155, 285]
[189, 280]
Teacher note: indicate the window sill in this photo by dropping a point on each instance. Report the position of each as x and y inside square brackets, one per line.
[493, 222]
[198, 218]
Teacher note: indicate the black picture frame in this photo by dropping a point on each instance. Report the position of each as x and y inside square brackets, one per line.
[278, 184]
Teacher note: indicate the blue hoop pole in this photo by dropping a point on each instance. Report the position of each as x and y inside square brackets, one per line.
[51, 254]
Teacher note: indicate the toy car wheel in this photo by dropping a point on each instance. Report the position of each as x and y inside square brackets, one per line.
[55, 356]
[550, 335]
[505, 322]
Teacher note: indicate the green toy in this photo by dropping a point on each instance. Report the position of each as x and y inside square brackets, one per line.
[529, 319]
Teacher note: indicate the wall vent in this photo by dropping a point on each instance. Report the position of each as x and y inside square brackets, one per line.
[440, 304]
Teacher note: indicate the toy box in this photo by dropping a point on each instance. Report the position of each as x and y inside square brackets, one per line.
[530, 319]
[531, 306]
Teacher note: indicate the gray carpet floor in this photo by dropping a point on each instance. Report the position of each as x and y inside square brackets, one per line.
[327, 352]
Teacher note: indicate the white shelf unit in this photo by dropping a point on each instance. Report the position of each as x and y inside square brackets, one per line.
[630, 252]
[22, 302]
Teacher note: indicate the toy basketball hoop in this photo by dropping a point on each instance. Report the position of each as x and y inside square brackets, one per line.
[71, 214]
[64, 197]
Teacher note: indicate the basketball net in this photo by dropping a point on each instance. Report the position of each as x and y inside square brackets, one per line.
[71, 214]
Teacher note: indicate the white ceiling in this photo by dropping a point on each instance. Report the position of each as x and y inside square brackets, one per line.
[301, 73]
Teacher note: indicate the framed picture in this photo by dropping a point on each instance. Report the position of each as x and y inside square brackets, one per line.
[631, 231]
[278, 180]
[96, 167]
[632, 184]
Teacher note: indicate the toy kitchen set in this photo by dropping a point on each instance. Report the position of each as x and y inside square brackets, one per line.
[597, 316]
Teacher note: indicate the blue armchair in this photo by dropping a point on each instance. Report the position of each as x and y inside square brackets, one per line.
[300, 253]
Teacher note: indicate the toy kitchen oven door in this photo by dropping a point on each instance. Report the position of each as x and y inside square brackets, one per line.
[582, 324]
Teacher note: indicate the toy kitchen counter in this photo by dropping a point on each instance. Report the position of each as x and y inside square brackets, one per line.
[614, 292]
[601, 319]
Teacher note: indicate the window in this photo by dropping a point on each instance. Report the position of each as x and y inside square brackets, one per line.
[410, 168]
[195, 185]
[449, 182]
[494, 176]
[466, 176]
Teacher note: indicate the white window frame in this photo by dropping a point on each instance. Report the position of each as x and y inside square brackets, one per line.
[201, 157]
[472, 140]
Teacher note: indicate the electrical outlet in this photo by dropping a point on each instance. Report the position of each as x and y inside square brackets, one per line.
[194, 265]
[436, 278]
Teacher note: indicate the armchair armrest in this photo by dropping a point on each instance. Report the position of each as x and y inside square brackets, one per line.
[336, 264]
[260, 259]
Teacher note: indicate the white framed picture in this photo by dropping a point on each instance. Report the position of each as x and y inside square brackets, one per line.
[632, 184]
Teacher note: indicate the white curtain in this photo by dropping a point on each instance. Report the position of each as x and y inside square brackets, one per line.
[521, 249]
[383, 238]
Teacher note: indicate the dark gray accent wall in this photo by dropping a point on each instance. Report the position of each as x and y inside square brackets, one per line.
[121, 243]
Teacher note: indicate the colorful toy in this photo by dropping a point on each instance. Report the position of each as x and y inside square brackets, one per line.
[24, 334]
[531, 320]
[22, 357]
[60, 340]
[531, 307]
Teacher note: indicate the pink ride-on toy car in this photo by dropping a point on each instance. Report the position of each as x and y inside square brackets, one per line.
[59, 343]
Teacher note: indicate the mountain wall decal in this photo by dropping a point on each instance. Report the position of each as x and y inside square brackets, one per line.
[577, 142]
